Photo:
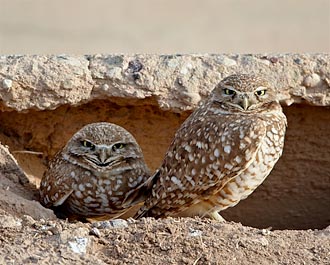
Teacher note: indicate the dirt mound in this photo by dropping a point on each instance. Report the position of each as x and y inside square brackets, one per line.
[30, 234]
[149, 241]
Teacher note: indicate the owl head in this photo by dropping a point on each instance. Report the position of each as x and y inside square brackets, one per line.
[102, 147]
[244, 93]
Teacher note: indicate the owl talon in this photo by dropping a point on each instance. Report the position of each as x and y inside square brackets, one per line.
[216, 216]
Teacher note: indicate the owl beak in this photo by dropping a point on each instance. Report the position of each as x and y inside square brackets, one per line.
[103, 155]
[245, 103]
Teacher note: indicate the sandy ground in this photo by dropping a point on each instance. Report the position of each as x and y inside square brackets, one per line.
[149, 241]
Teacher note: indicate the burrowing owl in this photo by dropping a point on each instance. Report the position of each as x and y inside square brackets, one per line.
[221, 153]
[94, 173]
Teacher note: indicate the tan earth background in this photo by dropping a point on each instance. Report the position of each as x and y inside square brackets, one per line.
[59, 71]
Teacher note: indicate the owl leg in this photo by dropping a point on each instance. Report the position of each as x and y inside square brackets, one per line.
[216, 216]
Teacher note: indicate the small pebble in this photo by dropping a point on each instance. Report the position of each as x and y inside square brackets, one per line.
[79, 245]
[265, 232]
[28, 220]
[95, 232]
[7, 83]
[105, 87]
[135, 66]
[312, 80]
[46, 105]
[116, 223]
[194, 232]
[273, 59]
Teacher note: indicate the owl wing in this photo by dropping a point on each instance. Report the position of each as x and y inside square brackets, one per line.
[204, 155]
[138, 194]
[56, 184]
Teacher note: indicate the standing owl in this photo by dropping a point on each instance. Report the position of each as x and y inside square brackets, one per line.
[221, 153]
[91, 177]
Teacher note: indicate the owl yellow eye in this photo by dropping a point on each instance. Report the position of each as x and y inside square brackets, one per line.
[261, 92]
[118, 146]
[229, 92]
[87, 144]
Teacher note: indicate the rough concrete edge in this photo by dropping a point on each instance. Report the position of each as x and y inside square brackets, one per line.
[173, 82]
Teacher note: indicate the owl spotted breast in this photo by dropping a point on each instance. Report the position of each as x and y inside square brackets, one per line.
[221, 153]
[93, 174]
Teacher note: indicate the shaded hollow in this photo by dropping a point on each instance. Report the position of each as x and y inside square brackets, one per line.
[295, 196]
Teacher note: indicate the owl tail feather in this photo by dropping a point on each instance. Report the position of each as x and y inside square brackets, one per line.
[141, 194]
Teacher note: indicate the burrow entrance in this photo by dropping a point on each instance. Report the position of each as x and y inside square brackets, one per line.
[295, 196]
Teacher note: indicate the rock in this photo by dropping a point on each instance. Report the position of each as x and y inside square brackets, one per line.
[72, 80]
[76, 240]
[8, 221]
[194, 232]
[54, 79]
[7, 83]
[95, 232]
[312, 80]
[116, 223]
[265, 232]
[28, 220]
[79, 245]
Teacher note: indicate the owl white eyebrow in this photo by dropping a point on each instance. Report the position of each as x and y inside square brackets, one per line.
[261, 88]
[231, 88]
[119, 142]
